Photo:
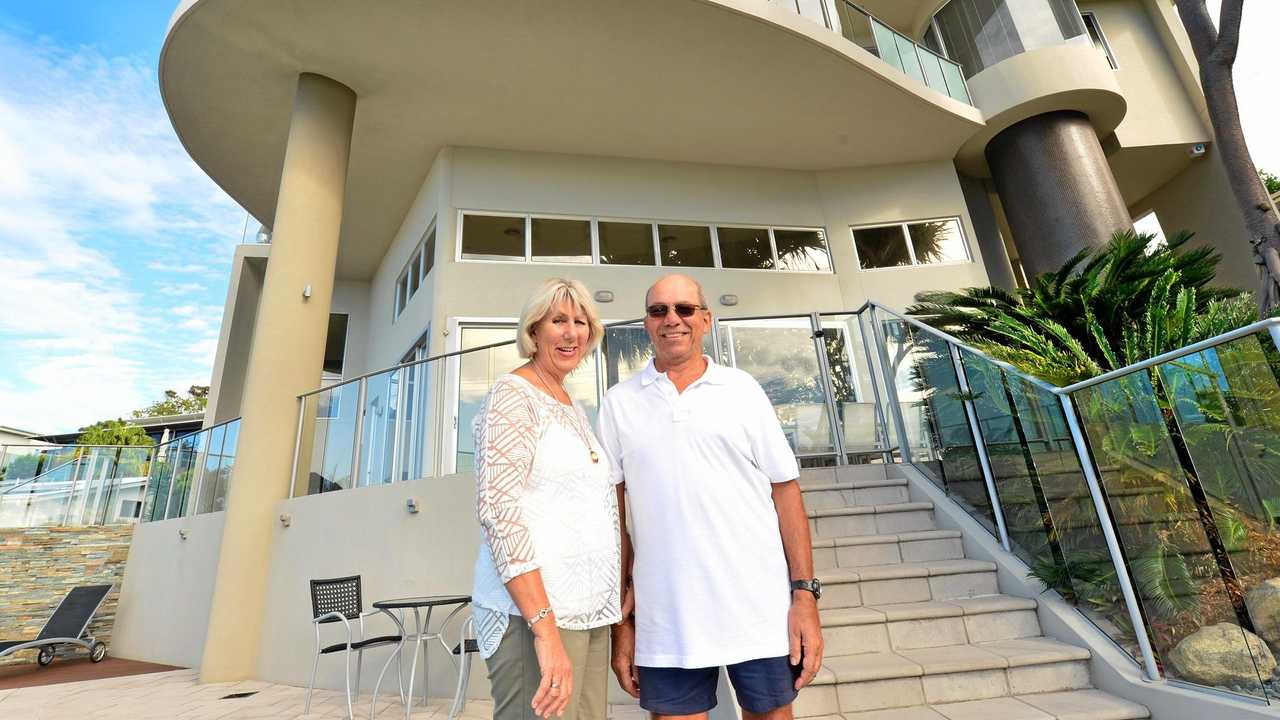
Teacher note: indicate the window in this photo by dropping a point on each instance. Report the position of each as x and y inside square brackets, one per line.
[561, 241]
[685, 246]
[802, 250]
[626, 243]
[586, 241]
[414, 274]
[748, 248]
[904, 244]
[493, 237]
[1099, 40]
[335, 345]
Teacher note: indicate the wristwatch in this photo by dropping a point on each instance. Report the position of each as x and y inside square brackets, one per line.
[813, 586]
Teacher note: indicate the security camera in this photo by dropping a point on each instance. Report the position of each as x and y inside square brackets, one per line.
[1196, 150]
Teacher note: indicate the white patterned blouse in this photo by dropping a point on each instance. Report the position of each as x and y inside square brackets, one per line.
[543, 504]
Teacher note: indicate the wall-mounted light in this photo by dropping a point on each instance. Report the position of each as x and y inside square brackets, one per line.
[604, 296]
[411, 505]
[286, 519]
[728, 300]
[306, 292]
[183, 533]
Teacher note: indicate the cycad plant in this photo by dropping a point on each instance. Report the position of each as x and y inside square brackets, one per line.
[1102, 310]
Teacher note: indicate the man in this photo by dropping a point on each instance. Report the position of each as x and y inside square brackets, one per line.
[720, 560]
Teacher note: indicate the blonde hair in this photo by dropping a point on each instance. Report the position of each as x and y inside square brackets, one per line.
[551, 293]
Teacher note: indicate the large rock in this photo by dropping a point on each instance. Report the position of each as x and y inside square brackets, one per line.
[1264, 608]
[1216, 655]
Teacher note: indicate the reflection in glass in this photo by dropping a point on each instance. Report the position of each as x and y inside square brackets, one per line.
[881, 247]
[937, 241]
[780, 355]
[747, 248]
[329, 427]
[479, 370]
[1181, 586]
[378, 432]
[624, 243]
[802, 250]
[685, 246]
[491, 237]
[561, 241]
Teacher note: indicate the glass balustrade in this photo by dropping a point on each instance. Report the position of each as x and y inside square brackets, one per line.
[1148, 499]
[191, 475]
[73, 485]
[980, 33]
[900, 51]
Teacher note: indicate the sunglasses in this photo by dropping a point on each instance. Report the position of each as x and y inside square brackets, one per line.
[684, 310]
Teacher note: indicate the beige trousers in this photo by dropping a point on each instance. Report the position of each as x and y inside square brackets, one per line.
[514, 674]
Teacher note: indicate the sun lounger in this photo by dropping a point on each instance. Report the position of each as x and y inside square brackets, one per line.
[66, 626]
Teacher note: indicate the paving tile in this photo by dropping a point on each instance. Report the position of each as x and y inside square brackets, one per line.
[1085, 705]
[911, 713]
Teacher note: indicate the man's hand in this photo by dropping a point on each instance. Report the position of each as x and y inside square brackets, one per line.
[805, 631]
[624, 656]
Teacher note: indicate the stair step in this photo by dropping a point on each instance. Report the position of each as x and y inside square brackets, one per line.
[845, 473]
[907, 626]
[1069, 705]
[874, 491]
[885, 519]
[906, 583]
[958, 673]
[863, 550]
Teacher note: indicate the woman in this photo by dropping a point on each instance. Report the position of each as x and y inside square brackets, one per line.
[547, 574]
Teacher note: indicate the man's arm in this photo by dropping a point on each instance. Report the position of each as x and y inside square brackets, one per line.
[803, 625]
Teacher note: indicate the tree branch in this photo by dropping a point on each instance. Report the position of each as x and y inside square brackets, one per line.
[1229, 31]
[1195, 18]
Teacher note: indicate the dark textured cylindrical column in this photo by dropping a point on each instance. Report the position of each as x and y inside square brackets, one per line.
[1057, 189]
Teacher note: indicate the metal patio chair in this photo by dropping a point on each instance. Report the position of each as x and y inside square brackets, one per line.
[466, 647]
[66, 626]
[340, 600]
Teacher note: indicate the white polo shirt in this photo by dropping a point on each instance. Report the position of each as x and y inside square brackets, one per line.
[710, 575]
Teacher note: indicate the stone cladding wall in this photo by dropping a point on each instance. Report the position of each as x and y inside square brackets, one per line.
[38, 566]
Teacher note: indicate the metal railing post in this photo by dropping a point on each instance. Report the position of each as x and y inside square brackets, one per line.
[197, 468]
[359, 438]
[297, 447]
[397, 434]
[890, 386]
[71, 491]
[715, 341]
[980, 445]
[887, 456]
[828, 391]
[1109, 534]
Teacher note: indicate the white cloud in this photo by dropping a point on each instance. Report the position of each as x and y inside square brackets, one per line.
[97, 198]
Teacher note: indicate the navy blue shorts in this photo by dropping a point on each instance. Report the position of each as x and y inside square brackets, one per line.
[761, 685]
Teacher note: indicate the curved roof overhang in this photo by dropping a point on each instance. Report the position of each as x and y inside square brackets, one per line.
[716, 81]
[910, 17]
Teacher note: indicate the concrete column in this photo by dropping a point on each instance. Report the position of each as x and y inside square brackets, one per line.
[1056, 187]
[288, 350]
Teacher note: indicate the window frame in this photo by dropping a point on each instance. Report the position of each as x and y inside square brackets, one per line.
[591, 230]
[653, 223]
[1089, 19]
[906, 238]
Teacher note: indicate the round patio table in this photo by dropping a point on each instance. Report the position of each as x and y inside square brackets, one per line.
[421, 636]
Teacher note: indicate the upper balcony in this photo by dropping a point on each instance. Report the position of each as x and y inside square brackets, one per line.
[731, 82]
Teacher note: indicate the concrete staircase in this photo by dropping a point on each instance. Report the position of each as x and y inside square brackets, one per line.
[915, 631]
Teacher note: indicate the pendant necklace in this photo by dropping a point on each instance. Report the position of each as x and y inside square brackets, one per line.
[575, 424]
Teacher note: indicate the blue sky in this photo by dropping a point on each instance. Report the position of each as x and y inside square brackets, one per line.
[115, 248]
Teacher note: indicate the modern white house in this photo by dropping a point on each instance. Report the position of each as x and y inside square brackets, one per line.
[421, 165]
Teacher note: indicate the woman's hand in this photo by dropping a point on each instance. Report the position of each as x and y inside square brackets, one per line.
[556, 687]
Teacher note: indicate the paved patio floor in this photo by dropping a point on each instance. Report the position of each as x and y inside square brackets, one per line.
[176, 695]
